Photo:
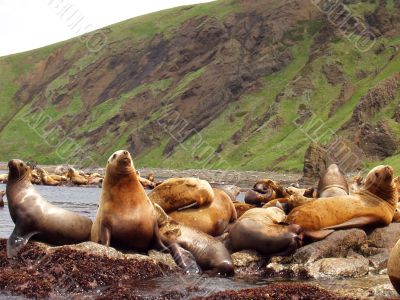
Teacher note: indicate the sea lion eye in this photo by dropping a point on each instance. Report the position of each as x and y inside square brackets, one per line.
[21, 165]
[376, 174]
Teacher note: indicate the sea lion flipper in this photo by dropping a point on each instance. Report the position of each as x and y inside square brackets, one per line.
[317, 235]
[356, 223]
[157, 240]
[17, 241]
[184, 259]
[105, 236]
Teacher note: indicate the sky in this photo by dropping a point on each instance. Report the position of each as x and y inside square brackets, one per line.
[30, 24]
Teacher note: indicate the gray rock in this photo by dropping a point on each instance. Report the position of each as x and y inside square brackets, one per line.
[378, 262]
[338, 244]
[385, 237]
[383, 291]
[245, 258]
[339, 267]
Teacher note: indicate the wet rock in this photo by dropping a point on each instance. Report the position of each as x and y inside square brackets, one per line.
[339, 267]
[384, 237]
[246, 258]
[338, 244]
[164, 258]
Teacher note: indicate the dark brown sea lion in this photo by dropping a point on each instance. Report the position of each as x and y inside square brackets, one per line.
[177, 193]
[375, 205]
[2, 193]
[332, 183]
[35, 216]
[126, 217]
[393, 267]
[261, 229]
[209, 253]
[213, 218]
[264, 191]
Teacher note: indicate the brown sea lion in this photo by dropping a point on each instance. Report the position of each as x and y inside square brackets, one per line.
[126, 217]
[375, 204]
[35, 216]
[308, 192]
[2, 193]
[212, 219]
[35, 177]
[177, 193]
[332, 183]
[95, 179]
[241, 207]
[46, 179]
[393, 267]
[356, 184]
[209, 253]
[264, 191]
[147, 184]
[150, 177]
[261, 229]
[76, 177]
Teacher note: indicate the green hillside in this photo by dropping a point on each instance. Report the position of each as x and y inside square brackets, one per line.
[216, 85]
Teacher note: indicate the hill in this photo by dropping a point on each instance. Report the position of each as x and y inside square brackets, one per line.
[230, 84]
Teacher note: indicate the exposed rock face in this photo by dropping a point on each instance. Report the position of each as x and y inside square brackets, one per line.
[316, 161]
[345, 94]
[333, 73]
[340, 267]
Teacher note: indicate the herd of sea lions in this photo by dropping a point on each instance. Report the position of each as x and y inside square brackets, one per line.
[200, 224]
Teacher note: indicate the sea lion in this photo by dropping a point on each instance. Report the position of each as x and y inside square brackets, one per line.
[95, 179]
[61, 171]
[35, 178]
[35, 216]
[150, 177]
[375, 204]
[147, 184]
[46, 179]
[212, 219]
[126, 217]
[231, 190]
[3, 178]
[177, 193]
[356, 184]
[209, 253]
[393, 267]
[261, 229]
[2, 193]
[241, 207]
[332, 183]
[76, 177]
[308, 192]
[264, 191]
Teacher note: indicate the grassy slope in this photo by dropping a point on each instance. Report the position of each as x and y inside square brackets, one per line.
[266, 148]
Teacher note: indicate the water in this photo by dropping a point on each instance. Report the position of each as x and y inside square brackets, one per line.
[78, 199]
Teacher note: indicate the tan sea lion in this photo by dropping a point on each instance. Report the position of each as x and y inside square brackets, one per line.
[177, 193]
[3, 178]
[76, 177]
[46, 179]
[261, 229]
[147, 184]
[35, 216]
[212, 219]
[2, 193]
[332, 183]
[375, 204]
[126, 217]
[209, 253]
[61, 170]
[393, 267]
[150, 177]
[35, 178]
[308, 192]
[356, 184]
[95, 179]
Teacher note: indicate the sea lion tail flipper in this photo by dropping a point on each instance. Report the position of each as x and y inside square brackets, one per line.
[184, 259]
[317, 235]
[17, 241]
[105, 236]
[358, 222]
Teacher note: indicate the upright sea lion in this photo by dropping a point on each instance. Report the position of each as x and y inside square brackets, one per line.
[76, 178]
[209, 253]
[261, 229]
[126, 217]
[46, 179]
[177, 193]
[212, 219]
[393, 267]
[332, 183]
[35, 216]
[2, 193]
[375, 204]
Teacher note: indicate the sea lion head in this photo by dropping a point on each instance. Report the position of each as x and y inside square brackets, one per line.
[380, 182]
[120, 162]
[18, 170]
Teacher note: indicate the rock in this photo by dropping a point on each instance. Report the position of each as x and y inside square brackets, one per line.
[383, 291]
[165, 258]
[339, 267]
[315, 163]
[245, 258]
[378, 262]
[384, 237]
[396, 115]
[346, 92]
[338, 244]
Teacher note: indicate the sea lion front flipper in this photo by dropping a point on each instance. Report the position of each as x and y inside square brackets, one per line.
[17, 241]
[157, 241]
[105, 236]
[317, 235]
[358, 222]
[184, 259]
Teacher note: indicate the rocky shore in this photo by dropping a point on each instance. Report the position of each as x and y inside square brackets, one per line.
[348, 264]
